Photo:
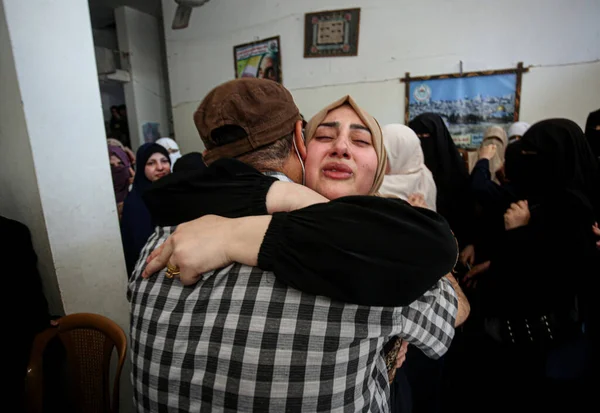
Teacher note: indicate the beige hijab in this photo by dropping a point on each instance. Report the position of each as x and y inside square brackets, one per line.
[497, 136]
[370, 122]
[408, 173]
[115, 142]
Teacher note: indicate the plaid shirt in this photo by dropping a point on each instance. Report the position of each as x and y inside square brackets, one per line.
[240, 340]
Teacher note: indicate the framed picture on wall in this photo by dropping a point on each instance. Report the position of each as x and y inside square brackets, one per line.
[261, 59]
[331, 33]
[468, 102]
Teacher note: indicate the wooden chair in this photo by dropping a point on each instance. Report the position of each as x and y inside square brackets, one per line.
[88, 340]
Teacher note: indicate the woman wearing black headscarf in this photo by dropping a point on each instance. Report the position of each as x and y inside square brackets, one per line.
[136, 226]
[538, 289]
[454, 201]
[592, 132]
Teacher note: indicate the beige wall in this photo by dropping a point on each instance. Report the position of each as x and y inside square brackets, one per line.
[396, 36]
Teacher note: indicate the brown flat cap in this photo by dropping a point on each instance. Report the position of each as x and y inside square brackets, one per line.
[264, 109]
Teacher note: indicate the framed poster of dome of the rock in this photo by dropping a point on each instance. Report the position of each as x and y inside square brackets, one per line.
[331, 33]
[468, 102]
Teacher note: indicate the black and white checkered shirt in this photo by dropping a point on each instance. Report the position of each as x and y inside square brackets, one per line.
[240, 340]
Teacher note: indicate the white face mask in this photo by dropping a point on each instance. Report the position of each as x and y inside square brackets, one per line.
[301, 161]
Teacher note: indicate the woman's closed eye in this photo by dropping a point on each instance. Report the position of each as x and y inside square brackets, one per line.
[362, 142]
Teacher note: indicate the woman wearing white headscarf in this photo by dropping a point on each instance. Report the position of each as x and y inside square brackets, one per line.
[171, 146]
[407, 174]
[495, 135]
[516, 131]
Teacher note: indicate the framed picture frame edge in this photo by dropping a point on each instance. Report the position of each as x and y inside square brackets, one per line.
[277, 37]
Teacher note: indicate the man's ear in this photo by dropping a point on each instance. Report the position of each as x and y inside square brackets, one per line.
[299, 140]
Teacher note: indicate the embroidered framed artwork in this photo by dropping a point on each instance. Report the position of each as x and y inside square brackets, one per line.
[331, 33]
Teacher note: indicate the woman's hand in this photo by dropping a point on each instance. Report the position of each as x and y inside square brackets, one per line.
[120, 210]
[596, 231]
[517, 215]
[417, 200]
[401, 356]
[467, 255]
[207, 244]
[487, 152]
[470, 279]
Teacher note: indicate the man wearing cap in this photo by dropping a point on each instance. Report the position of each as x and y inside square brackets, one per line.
[243, 339]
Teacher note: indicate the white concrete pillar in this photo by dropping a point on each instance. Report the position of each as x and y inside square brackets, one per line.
[146, 94]
[54, 169]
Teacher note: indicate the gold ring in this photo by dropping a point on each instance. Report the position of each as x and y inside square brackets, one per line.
[172, 271]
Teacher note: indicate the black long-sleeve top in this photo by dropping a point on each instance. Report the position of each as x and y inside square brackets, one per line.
[359, 249]
[541, 267]
[486, 191]
[30, 313]
[493, 201]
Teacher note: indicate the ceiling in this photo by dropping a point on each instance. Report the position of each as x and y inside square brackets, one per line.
[102, 11]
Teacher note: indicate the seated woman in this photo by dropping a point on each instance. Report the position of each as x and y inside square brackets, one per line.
[136, 225]
[30, 304]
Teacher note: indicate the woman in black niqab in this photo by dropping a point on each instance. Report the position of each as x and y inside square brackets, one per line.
[454, 201]
[546, 268]
[592, 132]
[556, 160]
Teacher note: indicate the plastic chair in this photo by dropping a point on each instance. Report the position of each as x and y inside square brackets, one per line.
[88, 340]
